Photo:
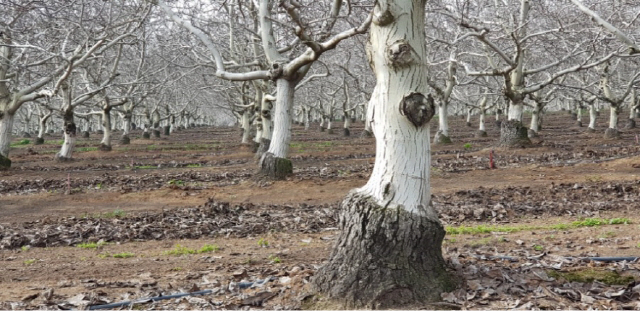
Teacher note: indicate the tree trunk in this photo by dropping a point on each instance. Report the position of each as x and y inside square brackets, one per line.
[6, 125]
[267, 125]
[512, 132]
[126, 128]
[274, 162]
[535, 120]
[66, 150]
[612, 132]
[469, 117]
[347, 124]
[105, 144]
[388, 254]
[442, 136]
[593, 113]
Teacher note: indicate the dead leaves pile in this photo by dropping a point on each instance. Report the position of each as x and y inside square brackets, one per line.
[213, 219]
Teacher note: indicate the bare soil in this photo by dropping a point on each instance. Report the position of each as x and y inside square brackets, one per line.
[197, 187]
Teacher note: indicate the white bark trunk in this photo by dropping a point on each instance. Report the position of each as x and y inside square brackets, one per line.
[482, 127]
[246, 127]
[6, 126]
[126, 124]
[42, 128]
[579, 114]
[535, 117]
[443, 120]
[329, 122]
[67, 147]
[106, 128]
[468, 115]
[613, 117]
[282, 119]
[515, 111]
[592, 116]
[267, 123]
[400, 176]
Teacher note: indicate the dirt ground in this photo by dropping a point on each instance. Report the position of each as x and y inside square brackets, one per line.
[155, 212]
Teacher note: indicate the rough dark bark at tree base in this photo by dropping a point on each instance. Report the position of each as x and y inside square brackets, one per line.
[63, 159]
[532, 134]
[322, 129]
[384, 258]
[85, 134]
[366, 134]
[26, 135]
[579, 123]
[574, 116]
[469, 124]
[346, 132]
[146, 135]
[263, 147]
[631, 124]
[104, 147]
[498, 123]
[513, 134]
[5, 163]
[481, 134]
[125, 140]
[156, 133]
[167, 130]
[274, 167]
[611, 134]
[591, 130]
[441, 139]
[38, 141]
[330, 131]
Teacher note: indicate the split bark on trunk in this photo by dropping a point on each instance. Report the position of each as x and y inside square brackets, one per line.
[388, 254]
[612, 132]
[126, 128]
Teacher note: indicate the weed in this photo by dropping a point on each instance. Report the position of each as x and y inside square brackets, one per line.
[92, 245]
[180, 250]
[176, 182]
[25, 248]
[467, 146]
[29, 262]
[538, 247]
[86, 149]
[115, 214]
[274, 259]
[99, 186]
[591, 275]
[194, 165]
[607, 235]
[177, 269]
[21, 143]
[263, 243]
[103, 256]
[123, 255]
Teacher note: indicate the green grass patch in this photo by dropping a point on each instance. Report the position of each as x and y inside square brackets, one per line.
[180, 250]
[467, 146]
[92, 245]
[263, 243]
[21, 143]
[589, 222]
[274, 259]
[123, 255]
[590, 275]
[194, 165]
[29, 262]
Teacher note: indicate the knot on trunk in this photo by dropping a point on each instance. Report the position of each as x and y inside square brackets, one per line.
[400, 54]
[276, 70]
[70, 129]
[417, 108]
[382, 17]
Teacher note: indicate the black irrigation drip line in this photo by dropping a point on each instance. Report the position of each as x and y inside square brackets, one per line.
[126, 303]
[241, 285]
